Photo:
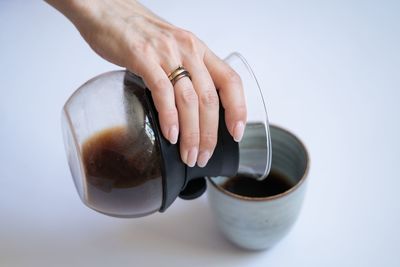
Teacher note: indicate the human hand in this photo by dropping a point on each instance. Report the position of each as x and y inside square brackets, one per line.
[129, 35]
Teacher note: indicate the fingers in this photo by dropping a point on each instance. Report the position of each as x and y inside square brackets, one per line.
[231, 93]
[177, 107]
[164, 100]
[197, 104]
[188, 108]
[208, 102]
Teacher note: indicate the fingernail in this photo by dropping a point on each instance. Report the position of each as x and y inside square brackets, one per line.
[238, 131]
[192, 157]
[203, 159]
[173, 135]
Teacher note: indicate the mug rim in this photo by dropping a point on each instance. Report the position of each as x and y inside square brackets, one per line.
[280, 195]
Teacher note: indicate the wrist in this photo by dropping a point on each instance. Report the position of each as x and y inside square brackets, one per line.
[74, 10]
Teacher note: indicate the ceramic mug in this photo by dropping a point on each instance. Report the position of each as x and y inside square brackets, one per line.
[260, 222]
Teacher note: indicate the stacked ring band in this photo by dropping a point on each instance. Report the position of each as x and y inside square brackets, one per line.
[178, 74]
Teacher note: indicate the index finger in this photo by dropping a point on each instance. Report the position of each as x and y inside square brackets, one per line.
[164, 100]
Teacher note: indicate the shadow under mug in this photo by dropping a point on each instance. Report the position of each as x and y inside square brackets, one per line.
[257, 223]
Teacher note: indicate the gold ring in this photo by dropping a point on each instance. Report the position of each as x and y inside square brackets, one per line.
[178, 74]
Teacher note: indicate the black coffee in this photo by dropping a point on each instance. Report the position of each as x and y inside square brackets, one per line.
[122, 172]
[276, 183]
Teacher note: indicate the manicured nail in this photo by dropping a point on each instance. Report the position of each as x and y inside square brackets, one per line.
[173, 135]
[203, 159]
[238, 131]
[192, 157]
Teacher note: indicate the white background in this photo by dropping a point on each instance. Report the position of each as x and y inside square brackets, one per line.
[330, 71]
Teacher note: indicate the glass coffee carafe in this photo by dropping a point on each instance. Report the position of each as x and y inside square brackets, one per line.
[123, 166]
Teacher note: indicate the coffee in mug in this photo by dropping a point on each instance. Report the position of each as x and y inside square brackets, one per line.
[257, 214]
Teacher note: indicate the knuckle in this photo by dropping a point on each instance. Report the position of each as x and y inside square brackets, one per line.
[170, 113]
[160, 85]
[240, 112]
[166, 42]
[189, 40]
[132, 63]
[185, 35]
[208, 140]
[209, 99]
[168, 47]
[232, 77]
[141, 47]
[147, 49]
[190, 139]
[165, 38]
[189, 96]
[134, 47]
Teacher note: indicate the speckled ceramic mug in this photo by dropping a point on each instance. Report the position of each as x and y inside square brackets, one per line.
[260, 222]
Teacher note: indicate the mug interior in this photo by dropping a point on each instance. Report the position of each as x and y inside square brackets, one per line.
[289, 158]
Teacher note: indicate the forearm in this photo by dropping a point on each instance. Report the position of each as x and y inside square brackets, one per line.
[76, 10]
[72, 9]
[83, 13]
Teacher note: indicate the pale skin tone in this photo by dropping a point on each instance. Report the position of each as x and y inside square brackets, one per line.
[129, 35]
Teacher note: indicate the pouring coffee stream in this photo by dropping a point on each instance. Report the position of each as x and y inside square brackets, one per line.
[123, 166]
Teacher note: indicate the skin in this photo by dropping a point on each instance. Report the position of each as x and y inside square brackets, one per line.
[129, 35]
